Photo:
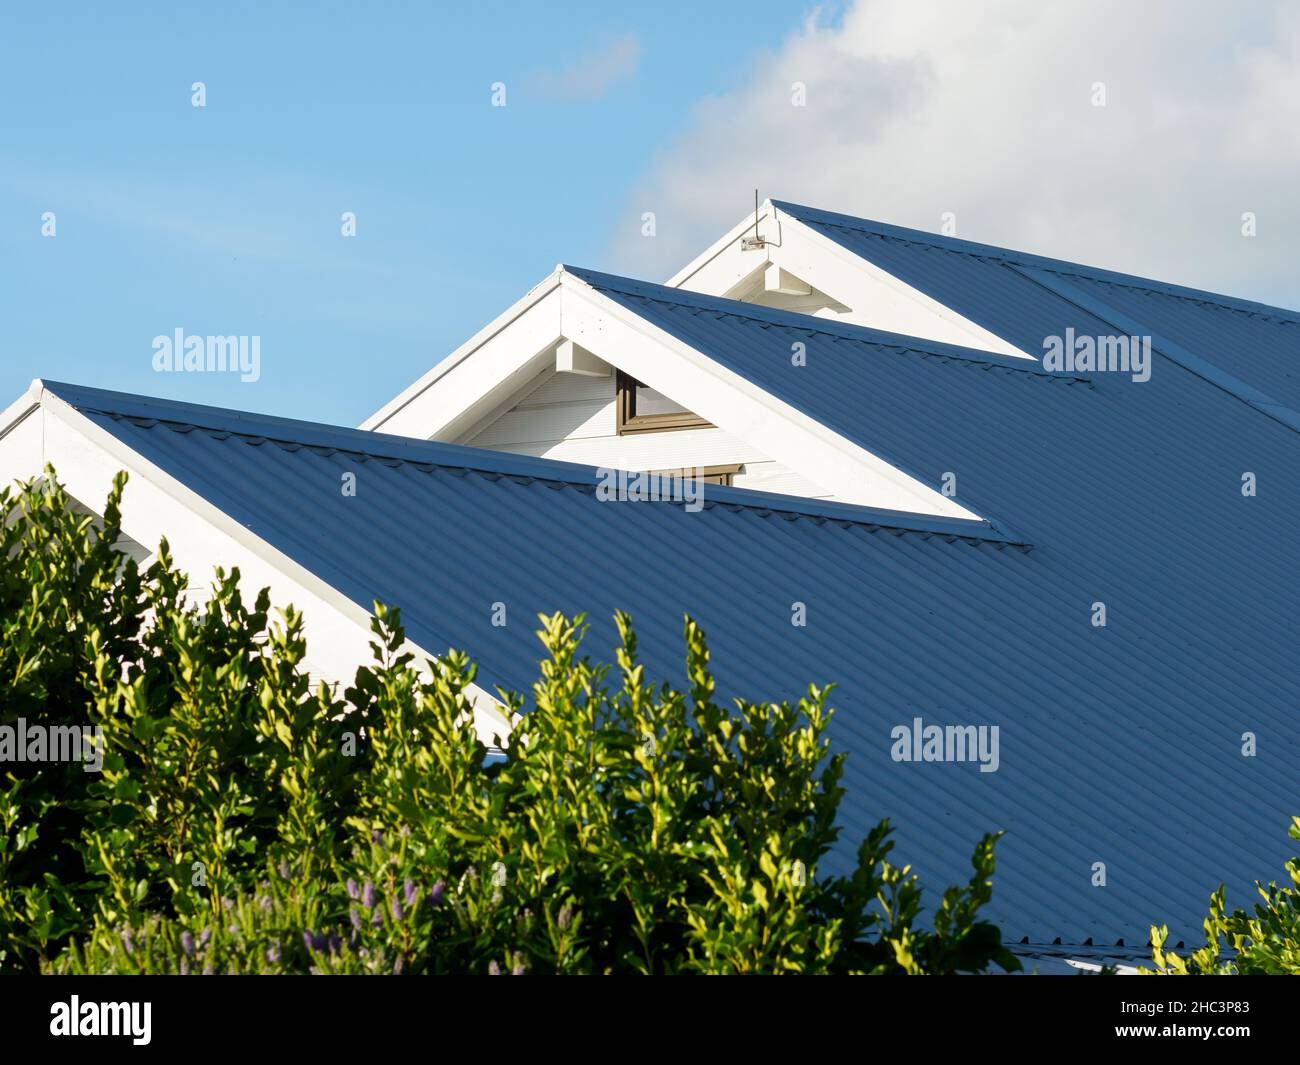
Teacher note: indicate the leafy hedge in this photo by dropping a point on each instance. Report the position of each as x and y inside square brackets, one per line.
[1263, 941]
[244, 822]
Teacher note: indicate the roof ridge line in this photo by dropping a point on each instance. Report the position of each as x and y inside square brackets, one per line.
[249, 434]
[808, 323]
[406, 450]
[316, 434]
[1014, 257]
[1202, 368]
[762, 502]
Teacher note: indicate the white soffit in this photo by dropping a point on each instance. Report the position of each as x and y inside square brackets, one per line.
[874, 297]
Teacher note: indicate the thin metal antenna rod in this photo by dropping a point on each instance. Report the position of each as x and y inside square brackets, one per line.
[755, 242]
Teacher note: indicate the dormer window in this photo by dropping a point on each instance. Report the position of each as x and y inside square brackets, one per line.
[640, 409]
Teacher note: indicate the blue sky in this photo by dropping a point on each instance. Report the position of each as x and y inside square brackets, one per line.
[226, 219]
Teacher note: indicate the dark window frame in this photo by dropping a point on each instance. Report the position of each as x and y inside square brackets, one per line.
[722, 475]
[628, 422]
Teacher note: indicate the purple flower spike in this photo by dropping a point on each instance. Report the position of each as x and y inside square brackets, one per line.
[204, 936]
[518, 970]
[566, 916]
[354, 892]
[368, 896]
[408, 889]
[335, 943]
[187, 943]
[306, 940]
[185, 966]
[273, 953]
[355, 918]
[494, 969]
[435, 893]
[378, 918]
[397, 908]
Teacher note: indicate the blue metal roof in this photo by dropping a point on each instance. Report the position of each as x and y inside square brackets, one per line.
[1023, 298]
[1118, 745]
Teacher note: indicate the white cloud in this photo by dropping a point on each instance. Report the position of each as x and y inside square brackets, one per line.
[915, 109]
[591, 77]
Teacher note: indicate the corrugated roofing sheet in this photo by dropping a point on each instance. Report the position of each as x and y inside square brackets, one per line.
[1257, 344]
[1126, 740]
[1119, 745]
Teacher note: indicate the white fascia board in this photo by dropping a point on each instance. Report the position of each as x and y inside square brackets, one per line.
[22, 444]
[737, 406]
[17, 411]
[80, 464]
[474, 377]
[1095, 967]
[875, 297]
[724, 265]
[487, 373]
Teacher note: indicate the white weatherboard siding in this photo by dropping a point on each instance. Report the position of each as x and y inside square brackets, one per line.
[44, 429]
[571, 417]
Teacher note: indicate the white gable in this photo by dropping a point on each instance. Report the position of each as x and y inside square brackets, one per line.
[488, 393]
[794, 267]
[40, 428]
[571, 417]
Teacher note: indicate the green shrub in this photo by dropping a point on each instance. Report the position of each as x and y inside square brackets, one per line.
[243, 822]
[1263, 942]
